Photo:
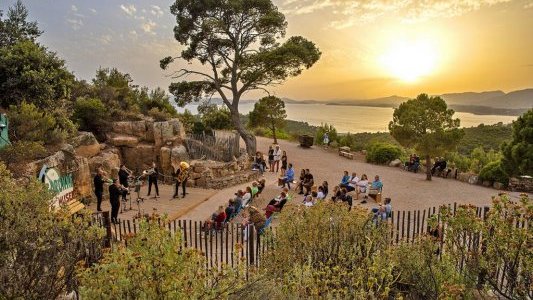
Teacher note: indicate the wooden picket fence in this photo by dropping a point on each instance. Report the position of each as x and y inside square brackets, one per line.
[233, 243]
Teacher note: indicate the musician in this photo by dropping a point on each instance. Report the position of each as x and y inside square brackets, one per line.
[98, 183]
[152, 179]
[123, 176]
[181, 174]
[115, 190]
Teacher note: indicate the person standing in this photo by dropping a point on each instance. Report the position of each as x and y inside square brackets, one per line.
[115, 190]
[98, 183]
[325, 139]
[123, 176]
[277, 158]
[283, 163]
[182, 174]
[152, 180]
[271, 158]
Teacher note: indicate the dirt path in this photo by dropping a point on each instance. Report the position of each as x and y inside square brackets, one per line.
[407, 190]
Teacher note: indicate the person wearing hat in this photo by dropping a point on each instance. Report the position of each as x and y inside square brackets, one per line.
[181, 174]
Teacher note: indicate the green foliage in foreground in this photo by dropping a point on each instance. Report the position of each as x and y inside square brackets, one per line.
[152, 266]
[39, 248]
[383, 153]
[518, 153]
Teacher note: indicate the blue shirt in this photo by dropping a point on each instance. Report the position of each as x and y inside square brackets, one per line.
[290, 174]
[377, 185]
[345, 179]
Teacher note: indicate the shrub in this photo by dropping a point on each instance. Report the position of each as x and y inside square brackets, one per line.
[154, 266]
[382, 153]
[20, 153]
[328, 251]
[91, 115]
[332, 133]
[40, 248]
[494, 172]
[30, 123]
[159, 115]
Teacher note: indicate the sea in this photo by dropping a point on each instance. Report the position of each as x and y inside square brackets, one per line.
[357, 119]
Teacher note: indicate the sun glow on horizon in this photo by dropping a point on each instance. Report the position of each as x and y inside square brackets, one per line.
[409, 61]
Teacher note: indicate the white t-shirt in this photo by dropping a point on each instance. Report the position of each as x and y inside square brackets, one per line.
[363, 185]
[246, 198]
[277, 154]
[320, 196]
[353, 182]
[308, 203]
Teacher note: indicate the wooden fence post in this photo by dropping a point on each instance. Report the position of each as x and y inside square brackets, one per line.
[251, 243]
[107, 225]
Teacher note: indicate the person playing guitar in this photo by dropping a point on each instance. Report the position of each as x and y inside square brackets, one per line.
[181, 175]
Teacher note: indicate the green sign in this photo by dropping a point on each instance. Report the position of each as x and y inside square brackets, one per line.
[61, 185]
[4, 137]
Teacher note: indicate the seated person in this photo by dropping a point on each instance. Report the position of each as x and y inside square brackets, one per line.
[217, 219]
[252, 216]
[289, 177]
[379, 214]
[320, 195]
[307, 183]
[336, 194]
[300, 180]
[376, 187]
[345, 179]
[308, 201]
[276, 204]
[230, 210]
[436, 166]
[325, 186]
[352, 183]
[362, 186]
[247, 197]
[261, 185]
[344, 197]
[259, 162]
[388, 207]
[255, 189]
[238, 201]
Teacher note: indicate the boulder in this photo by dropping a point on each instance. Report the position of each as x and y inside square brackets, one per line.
[83, 179]
[171, 130]
[109, 161]
[140, 157]
[123, 141]
[498, 186]
[85, 144]
[179, 154]
[487, 183]
[395, 163]
[473, 179]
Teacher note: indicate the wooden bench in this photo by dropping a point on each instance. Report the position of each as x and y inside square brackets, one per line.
[346, 154]
[74, 206]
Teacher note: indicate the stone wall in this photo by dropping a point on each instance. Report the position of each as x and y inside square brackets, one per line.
[521, 184]
[219, 175]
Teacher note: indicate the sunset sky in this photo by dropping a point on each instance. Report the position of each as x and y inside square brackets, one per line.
[371, 48]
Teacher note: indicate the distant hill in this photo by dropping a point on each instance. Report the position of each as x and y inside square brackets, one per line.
[470, 98]
[516, 99]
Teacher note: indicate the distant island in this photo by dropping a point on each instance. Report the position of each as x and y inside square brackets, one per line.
[514, 103]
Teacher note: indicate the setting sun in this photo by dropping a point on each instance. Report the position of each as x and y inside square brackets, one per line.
[408, 61]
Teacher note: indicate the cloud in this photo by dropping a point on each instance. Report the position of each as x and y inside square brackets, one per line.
[129, 9]
[350, 12]
[74, 8]
[105, 39]
[75, 24]
[93, 10]
[156, 10]
[149, 26]
[529, 5]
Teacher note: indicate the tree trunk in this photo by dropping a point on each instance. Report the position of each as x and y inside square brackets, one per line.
[428, 167]
[274, 134]
[249, 139]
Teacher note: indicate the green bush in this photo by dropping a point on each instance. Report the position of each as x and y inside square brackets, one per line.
[20, 153]
[159, 115]
[382, 153]
[91, 114]
[29, 123]
[494, 172]
[332, 133]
